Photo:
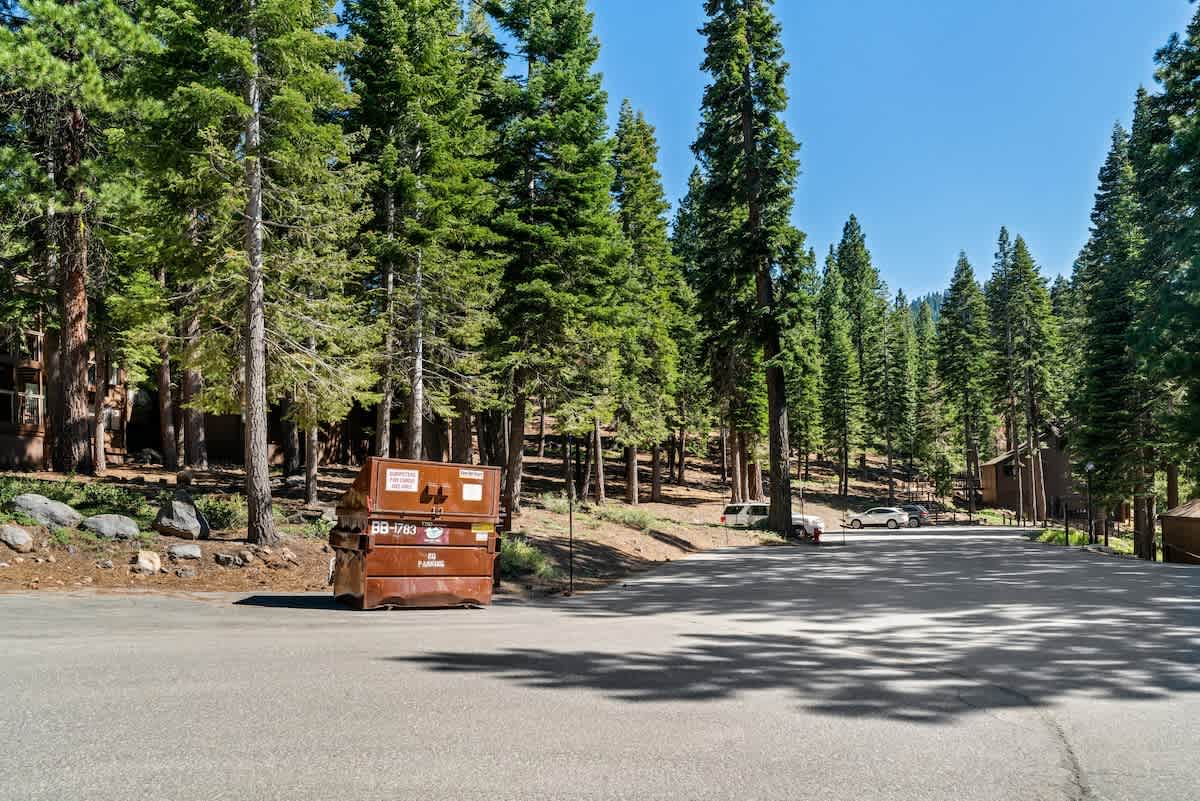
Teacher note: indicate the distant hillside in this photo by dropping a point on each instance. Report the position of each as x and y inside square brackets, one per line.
[935, 302]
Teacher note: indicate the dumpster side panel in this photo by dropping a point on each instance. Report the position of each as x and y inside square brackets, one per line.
[427, 592]
[386, 561]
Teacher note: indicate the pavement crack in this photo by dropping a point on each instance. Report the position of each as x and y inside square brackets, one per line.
[1078, 787]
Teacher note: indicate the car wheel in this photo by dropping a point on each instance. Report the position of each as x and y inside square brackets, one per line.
[914, 522]
[855, 523]
[893, 524]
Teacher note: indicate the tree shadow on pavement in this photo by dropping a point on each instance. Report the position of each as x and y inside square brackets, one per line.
[913, 630]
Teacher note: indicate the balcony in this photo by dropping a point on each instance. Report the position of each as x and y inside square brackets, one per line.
[25, 348]
[21, 409]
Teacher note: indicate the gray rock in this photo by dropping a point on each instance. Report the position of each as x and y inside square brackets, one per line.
[226, 559]
[112, 527]
[188, 550]
[105, 564]
[148, 456]
[47, 512]
[186, 572]
[147, 562]
[246, 556]
[16, 538]
[287, 554]
[179, 517]
[295, 481]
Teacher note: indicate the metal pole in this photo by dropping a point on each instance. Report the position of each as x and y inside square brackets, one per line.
[1091, 513]
[570, 529]
[1066, 525]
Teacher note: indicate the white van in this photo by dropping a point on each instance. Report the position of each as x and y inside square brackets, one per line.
[755, 515]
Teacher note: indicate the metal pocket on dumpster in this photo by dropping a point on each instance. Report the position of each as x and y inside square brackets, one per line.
[418, 534]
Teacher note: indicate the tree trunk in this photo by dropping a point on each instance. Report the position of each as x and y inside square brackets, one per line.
[671, 453]
[568, 471]
[541, 428]
[72, 440]
[969, 443]
[166, 409]
[516, 448]
[416, 414]
[682, 456]
[891, 476]
[99, 457]
[1172, 485]
[312, 463]
[599, 462]
[724, 455]
[464, 450]
[291, 437]
[631, 475]
[656, 473]
[261, 523]
[735, 462]
[583, 474]
[754, 471]
[387, 386]
[195, 435]
[747, 467]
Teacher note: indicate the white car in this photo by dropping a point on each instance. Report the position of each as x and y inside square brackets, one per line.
[888, 516]
[755, 515]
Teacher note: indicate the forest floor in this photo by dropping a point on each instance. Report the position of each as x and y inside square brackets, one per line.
[611, 541]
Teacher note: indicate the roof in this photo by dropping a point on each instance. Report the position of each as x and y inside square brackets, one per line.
[1189, 509]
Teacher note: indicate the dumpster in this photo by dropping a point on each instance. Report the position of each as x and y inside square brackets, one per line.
[418, 534]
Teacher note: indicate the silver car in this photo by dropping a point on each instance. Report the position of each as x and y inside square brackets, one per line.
[888, 516]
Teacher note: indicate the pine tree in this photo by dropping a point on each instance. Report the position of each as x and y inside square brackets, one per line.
[841, 399]
[748, 157]
[799, 288]
[1004, 372]
[1035, 355]
[866, 305]
[564, 261]
[62, 67]
[898, 398]
[415, 72]
[962, 364]
[649, 353]
[929, 448]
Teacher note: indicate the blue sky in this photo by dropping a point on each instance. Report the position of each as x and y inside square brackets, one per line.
[935, 121]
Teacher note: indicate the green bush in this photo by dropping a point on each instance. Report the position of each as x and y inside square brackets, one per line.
[520, 558]
[629, 516]
[96, 498]
[317, 529]
[223, 512]
[554, 503]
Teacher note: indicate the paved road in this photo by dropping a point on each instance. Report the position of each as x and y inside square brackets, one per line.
[894, 668]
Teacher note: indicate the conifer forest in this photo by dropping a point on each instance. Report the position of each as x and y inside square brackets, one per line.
[421, 212]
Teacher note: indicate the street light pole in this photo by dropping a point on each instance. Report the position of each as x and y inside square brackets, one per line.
[570, 525]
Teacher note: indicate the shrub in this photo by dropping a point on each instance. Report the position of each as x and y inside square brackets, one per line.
[629, 516]
[97, 498]
[317, 529]
[520, 558]
[554, 503]
[223, 512]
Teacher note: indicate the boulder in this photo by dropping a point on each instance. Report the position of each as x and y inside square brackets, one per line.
[179, 517]
[225, 559]
[105, 564]
[52, 514]
[287, 554]
[246, 556]
[186, 572]
[188, 550]
[147, 562]
[16, 538]
[112, 527]
[148, 456]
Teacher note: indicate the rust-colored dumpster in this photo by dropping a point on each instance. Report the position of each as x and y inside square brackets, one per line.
[420, 534]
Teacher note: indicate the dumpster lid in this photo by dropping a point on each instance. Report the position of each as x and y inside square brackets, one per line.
[427, 490]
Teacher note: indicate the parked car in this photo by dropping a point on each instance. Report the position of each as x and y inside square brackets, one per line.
[917, 512]
[755, 515]
[888, 516]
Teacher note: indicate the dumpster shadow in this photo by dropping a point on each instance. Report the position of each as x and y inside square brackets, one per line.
[924, 632]
[322, 602]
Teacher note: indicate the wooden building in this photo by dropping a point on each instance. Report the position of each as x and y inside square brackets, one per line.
[1181, 533]
[26, 397]
[1000, 490]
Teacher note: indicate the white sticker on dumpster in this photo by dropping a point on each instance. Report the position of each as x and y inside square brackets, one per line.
[403, 480]
[472, 492]
[473, 475]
